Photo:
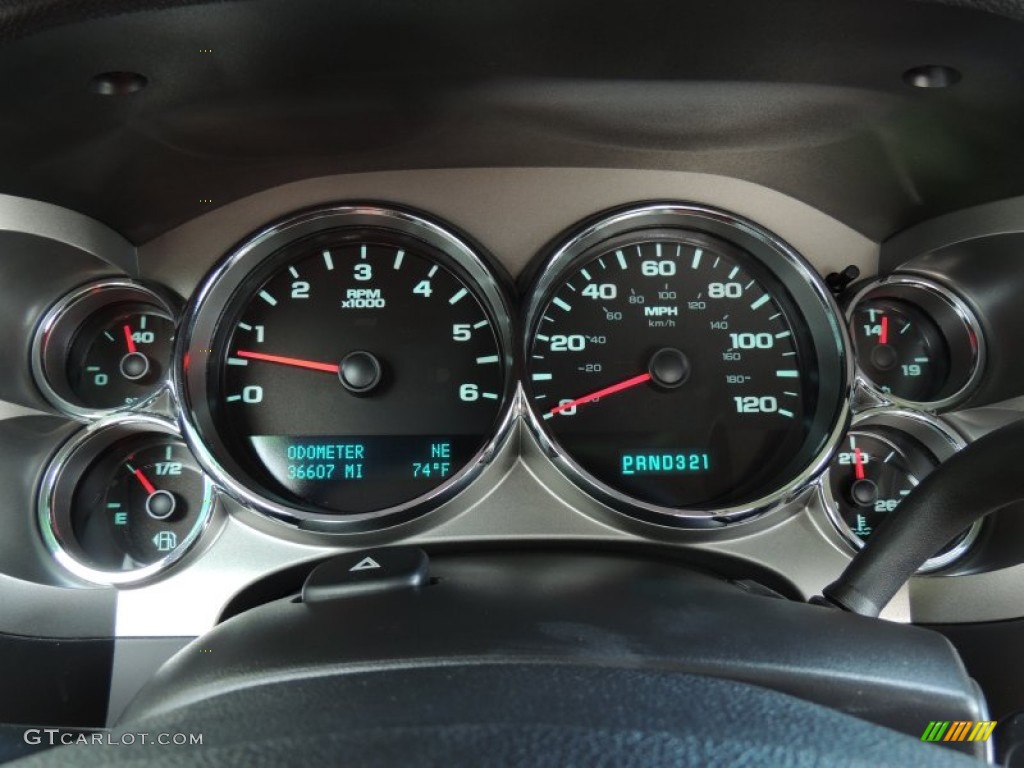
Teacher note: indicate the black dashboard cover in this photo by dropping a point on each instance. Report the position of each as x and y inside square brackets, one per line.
[803, 96]
[581, 610]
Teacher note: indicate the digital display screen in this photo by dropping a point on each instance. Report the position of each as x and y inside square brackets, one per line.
[361, 473]
[663, 463]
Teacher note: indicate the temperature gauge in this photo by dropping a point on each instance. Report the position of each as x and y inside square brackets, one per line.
[879, 463]
[104, 348]
[120, 504]
[916, 343]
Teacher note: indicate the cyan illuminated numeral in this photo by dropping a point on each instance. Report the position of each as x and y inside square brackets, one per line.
[725, 290]
[754, 404]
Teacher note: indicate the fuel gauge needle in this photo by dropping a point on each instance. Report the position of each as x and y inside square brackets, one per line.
[150, 488]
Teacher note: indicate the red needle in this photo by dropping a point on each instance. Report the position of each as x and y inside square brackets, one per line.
[636, 380]
[858, 460]
[310, 364]
[150, 488]
[129, 339]
[883, 337]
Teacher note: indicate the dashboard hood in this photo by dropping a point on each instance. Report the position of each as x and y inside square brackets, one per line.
[805, 97]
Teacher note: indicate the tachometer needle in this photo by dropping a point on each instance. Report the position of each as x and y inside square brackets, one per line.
[635, 381]
[883, 336]
[150, 488]
[293, 361]
[128, 338]
[858, 461]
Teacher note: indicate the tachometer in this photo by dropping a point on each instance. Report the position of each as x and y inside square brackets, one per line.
[684, 363]
[360, 366]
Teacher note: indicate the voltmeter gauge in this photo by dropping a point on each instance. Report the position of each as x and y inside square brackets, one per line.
[123, 500]
[879, 462]
[916, 342]
[105, 347]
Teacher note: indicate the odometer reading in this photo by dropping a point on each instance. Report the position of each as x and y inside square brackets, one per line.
[673, 369]
[349, 367]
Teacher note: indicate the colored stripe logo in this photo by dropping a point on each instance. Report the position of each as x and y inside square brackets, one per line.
[958, 730]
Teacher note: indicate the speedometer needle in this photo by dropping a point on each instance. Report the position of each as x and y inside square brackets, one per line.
[883, 335]
[293, 361]
[635, 381]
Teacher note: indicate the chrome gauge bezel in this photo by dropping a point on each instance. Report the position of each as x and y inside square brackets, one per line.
[958, 311]
[935, 435]
[787, 266]
[202, 318]
[59, 325]
[57, 487]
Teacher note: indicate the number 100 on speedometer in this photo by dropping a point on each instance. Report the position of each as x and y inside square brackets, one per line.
[676, 371]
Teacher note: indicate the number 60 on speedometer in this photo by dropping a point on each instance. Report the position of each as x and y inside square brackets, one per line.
[684, 365]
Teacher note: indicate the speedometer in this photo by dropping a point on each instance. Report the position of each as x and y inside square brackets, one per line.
[348, 365]
[685, 365]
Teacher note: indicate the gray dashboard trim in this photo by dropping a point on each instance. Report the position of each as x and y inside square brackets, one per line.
[999, 218]
[32, 217]
[513, 212]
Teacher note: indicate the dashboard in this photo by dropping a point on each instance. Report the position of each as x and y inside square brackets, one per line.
[275, 455]
[558, 325]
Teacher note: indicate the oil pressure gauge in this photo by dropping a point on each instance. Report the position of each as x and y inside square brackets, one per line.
[104, 348]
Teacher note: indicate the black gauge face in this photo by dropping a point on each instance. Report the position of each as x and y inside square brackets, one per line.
[137, 503]
[900, 349]
[356, 372]
[869, 477]
[119, 356]
[672, 368]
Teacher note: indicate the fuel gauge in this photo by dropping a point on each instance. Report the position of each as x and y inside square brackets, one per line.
[122, 501]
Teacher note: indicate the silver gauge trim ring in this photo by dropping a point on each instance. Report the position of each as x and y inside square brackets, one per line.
[60, 311]
[691, 216]
[53, 504]
[945, 437]
[202, 317]
[959, 309]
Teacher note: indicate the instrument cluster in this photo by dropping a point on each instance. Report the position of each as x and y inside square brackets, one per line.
[353, 367]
